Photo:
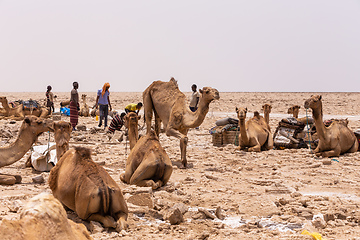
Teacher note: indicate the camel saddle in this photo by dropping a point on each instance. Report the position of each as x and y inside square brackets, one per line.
[285, 135]
[30, 104]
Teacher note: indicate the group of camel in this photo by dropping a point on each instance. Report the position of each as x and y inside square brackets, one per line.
[86, 188]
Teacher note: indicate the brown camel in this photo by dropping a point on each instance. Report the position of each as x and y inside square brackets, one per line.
[335, 139]
[84, 110]
[170, 106]
[29, 131]
[43, 218]
[294, 110]
[85, 187]
[148, 165]
[254, 134]
[18, 112]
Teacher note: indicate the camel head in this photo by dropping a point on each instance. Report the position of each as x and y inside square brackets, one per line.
[293, 109]
[266, 108]
[131, 119]
[209, 94]
[36, 125]
[241, 112]
[62, 131]
[83, 97]
[314, 102]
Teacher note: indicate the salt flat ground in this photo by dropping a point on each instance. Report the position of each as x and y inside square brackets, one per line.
[274, 194]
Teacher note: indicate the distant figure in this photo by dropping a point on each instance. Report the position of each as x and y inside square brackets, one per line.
[133, 107]
[74, 105]
[103, 100]
[116, 123]
[194, 98]
[50, 99]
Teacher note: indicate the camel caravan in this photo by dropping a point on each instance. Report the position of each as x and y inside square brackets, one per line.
[85, 187]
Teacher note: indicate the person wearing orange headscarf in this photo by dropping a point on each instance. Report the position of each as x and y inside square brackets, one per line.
[103, 102]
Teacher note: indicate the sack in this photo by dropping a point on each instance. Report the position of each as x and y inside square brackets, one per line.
[285, 135]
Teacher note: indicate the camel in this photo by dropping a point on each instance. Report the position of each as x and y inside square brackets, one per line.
[43, 217]
[83, 186]
[254, 134]
[29, 131]
[335, 139]
[18, 112]
[294, 110]
[170, 106]
[148, 165]
[84, 110]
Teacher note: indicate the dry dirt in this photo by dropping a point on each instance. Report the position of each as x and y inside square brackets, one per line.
[274, 194]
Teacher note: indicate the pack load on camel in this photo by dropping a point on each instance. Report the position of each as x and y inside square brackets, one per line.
[289, 134]
[225, 132]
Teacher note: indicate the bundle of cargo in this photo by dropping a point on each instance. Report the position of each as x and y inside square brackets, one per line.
[225, 132]
[287, 134]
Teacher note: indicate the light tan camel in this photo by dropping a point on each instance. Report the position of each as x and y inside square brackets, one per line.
[294, 110]
[335, 139]
[29, 131]
[254, 134]
[148, 165]
[84, 110]
[43, 218]
[18, 112]
[170, 106]
[85, 187]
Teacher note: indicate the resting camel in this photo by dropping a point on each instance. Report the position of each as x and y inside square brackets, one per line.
[267, 110]
[148, 165]
[18, 112]
[294, 110]
[43, 218]
[29, 131]
[335, 139]
[84, 110]
[83, 186]
[254, 134]
[170, 106]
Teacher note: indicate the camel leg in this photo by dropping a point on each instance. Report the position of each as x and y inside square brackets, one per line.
[107, 221]
[148, 111]
[183, 143]
[145, 171]
[119, 207]
[256, 148]
[270, 142]
[167, 174]
[7, 179]
[332, 153]
[354, 147]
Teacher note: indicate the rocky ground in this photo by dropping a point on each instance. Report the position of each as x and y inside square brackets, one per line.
[225, 193]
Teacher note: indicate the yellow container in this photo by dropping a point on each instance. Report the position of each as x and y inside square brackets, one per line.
[97, 118]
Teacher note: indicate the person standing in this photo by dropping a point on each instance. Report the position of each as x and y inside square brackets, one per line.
[50, 99]
[133, 107]
[74, 105]
[194, 98]
[103, 100]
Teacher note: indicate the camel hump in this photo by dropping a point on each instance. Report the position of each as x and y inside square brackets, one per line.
[83, 152]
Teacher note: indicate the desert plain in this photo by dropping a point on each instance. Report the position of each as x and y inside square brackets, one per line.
[224, 193]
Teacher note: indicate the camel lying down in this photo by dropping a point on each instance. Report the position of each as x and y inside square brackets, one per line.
[43, 218]
[148, 165]
[85, 187]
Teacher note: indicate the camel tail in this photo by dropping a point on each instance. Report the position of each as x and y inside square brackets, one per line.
[105, 198]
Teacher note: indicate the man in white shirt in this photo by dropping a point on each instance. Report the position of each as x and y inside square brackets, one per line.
[194, 98]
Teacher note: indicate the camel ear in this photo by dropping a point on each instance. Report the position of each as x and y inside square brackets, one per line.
[246, 109]
[69, 124]
[236, 109]
[320, 97]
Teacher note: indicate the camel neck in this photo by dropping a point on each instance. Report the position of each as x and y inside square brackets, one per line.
[318, 119]
[16, 150]
[133, 135]
[196, 118]
[243, 133]
[267, 117]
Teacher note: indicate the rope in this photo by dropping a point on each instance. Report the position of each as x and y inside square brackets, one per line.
[308, 132]
[127, 137]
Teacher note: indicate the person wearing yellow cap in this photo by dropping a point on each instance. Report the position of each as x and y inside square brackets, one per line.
[103, 102]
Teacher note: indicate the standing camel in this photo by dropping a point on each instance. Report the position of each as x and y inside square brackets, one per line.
[335, 139]
[170, 106]
[148, 165]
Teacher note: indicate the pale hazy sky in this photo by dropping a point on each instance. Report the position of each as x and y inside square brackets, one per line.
[232, 45]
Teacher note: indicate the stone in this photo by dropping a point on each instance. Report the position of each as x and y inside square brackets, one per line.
[207, 213]
[96, 227]
[182, 207]
[81, 127]
[319, 222]
[142, 199]
[175, 216]
[14, 206]
[219, 213]
[38, 179]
